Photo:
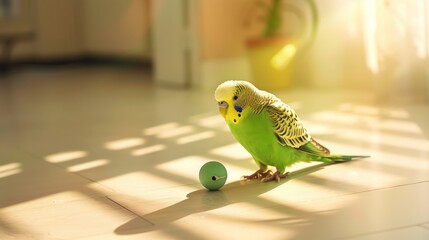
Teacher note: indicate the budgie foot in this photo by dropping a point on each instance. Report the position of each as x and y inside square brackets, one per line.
[276, 176]
[260, 174]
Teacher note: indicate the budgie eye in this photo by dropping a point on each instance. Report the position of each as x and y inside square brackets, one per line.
[235, 97]
[222, 104]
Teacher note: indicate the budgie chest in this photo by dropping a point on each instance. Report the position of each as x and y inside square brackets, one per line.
[255, 133]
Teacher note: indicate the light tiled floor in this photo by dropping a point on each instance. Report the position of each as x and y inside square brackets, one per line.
[102, 153]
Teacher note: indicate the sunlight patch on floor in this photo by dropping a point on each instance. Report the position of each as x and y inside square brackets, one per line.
[10, 169]
[315, 128]
[45, 200]
[148, 150]
[143, 183]
[357, 178]
[327, 124]
[160, 128]
[58, 217]
[402, 161]
[196, 137]
[340, 117]
[371, 122]
[234, 151]
[88, 165]
[174, 132]
[371, 110]
[376, 156]
[213, 121]
[124, 143]
[398, 125]
[361, 109]
[65, 156]
[189, 167]
[379, 138]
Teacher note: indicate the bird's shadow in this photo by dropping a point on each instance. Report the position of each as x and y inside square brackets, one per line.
[203, 200]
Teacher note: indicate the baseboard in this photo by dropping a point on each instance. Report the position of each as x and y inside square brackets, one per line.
[83, 59]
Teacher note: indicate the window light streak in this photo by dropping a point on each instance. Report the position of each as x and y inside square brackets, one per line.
[10, 169]
[176, 132]
[407, 22]
[370, 35]
[88, 165]
[124, 143]
[234, 151]
[160, 128]
[419, 29]
[148, 150]
[283, 57]
[65, 156]
[196, 137]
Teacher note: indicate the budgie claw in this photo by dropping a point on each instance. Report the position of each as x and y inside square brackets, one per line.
[276, 176]
[260, 174]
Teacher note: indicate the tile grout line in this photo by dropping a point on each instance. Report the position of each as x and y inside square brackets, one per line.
[381, 231]
[425, 225]
[384, 188]
[129, 210]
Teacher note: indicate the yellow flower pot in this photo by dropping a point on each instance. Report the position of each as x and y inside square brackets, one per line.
[271, 62]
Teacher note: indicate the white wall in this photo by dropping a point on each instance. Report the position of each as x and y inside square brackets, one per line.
[73, 28]
[116, 27]
[57, 29]
[170, 43]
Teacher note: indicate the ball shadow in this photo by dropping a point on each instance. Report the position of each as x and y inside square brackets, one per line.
[204, 200]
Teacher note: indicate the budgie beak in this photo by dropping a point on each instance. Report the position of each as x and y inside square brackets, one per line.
[223, 107]
[222, 112]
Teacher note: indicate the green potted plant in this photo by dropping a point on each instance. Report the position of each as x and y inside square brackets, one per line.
[271, 54]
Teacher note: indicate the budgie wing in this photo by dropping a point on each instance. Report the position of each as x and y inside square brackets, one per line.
[290, 131]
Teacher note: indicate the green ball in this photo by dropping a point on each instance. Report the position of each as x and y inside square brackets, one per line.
[213, 175]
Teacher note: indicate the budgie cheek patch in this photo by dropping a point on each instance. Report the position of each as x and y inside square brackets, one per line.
[238, 109]
[234, 115]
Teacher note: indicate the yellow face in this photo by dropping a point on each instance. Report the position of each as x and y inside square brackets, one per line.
[226, 96]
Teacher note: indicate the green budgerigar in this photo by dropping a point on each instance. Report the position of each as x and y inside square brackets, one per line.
[269, 130]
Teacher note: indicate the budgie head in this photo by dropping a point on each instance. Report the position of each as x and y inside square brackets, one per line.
[236, 99]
